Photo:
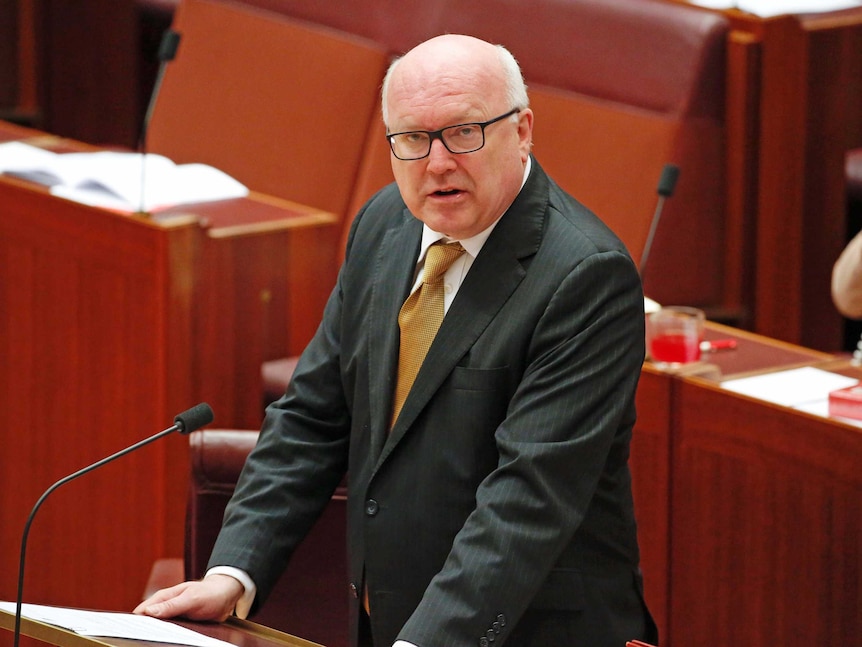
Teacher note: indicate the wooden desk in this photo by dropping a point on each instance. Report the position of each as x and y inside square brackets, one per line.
[750, 514]
[794, 110]
[654, 468]
[234, 630]
[110, 325]
[766, 519]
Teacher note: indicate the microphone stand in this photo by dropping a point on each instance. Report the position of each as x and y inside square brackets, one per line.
[167, 51]
[185, 423]
[666, 186]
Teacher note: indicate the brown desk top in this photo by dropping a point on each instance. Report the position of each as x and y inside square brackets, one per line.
[755, 353]
[238, 632]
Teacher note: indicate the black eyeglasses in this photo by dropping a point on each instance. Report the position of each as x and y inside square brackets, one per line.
[458, 139]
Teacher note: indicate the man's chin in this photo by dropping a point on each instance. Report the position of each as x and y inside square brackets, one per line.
[450, 222]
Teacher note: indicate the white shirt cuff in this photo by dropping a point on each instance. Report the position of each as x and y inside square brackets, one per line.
[243, 605]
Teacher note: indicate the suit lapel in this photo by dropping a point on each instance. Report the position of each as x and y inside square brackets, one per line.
[395, 266]
[495, 274]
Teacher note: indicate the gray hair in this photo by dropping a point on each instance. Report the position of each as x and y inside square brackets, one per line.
[516, 89]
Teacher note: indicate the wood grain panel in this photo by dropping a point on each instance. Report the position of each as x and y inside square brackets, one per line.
[650, 466]
[110, 325]
[767, 535]
[86, 326]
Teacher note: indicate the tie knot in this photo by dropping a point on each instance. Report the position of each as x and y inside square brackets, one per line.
[439, 258]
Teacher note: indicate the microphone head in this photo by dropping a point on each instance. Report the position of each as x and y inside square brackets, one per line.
[168, 46]
[194, 418]
[667, 181]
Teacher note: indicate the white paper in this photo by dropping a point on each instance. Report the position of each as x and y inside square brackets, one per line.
[821, 408]
[114, 625]
[769, 8]
[113, 180]
[715, 4]
[803, 388]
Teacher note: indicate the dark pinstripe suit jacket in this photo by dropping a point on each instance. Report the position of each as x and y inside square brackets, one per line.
[498, 509]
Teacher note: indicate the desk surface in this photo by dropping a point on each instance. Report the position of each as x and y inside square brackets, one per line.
[673, 502]
[234, 630]
[761, 539]
[766, 523]
[755, 353]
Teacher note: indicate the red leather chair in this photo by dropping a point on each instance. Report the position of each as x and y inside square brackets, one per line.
[311, 598]
[275, 375]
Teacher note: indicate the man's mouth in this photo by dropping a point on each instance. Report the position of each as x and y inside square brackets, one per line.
[446, 192]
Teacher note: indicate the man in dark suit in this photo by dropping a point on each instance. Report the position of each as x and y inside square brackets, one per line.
[494, 507]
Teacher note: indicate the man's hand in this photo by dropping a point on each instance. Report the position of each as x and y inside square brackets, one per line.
[212, 598]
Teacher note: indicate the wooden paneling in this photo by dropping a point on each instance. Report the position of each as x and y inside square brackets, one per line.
[96, 337]
[662, 499]
[650, 466]
[110, 325]
[808, 74]
[89, 85]
[8, 56]
[767, 534]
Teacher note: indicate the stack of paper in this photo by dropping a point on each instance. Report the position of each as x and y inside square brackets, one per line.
[114, 180]
[806, 389]
[109, 624]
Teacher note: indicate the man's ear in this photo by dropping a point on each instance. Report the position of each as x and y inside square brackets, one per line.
[525, 131]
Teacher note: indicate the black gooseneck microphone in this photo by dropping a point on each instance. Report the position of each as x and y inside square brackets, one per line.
[666, 186]
[185, 423]
[167, 51]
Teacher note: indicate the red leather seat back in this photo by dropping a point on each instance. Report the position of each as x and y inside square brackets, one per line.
[619, 87]
[281, 105]
[311, 599]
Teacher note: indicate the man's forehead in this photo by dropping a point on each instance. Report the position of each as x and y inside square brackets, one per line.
[447, 91]
[437, 110]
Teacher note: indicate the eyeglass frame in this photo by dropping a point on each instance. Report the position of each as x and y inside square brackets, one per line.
[438, 134]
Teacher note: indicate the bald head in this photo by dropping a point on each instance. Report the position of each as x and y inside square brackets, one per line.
[455, 63]
[455, 109]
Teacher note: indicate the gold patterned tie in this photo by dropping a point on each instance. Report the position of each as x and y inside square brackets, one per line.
[420, 318]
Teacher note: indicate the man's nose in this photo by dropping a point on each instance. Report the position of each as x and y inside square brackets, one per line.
[439, 158]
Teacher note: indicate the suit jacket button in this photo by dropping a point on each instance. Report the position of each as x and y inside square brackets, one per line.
[483, 642]
[502, 620]
[490, 635]
[496, 627]
[354, 590]
[371, 507]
